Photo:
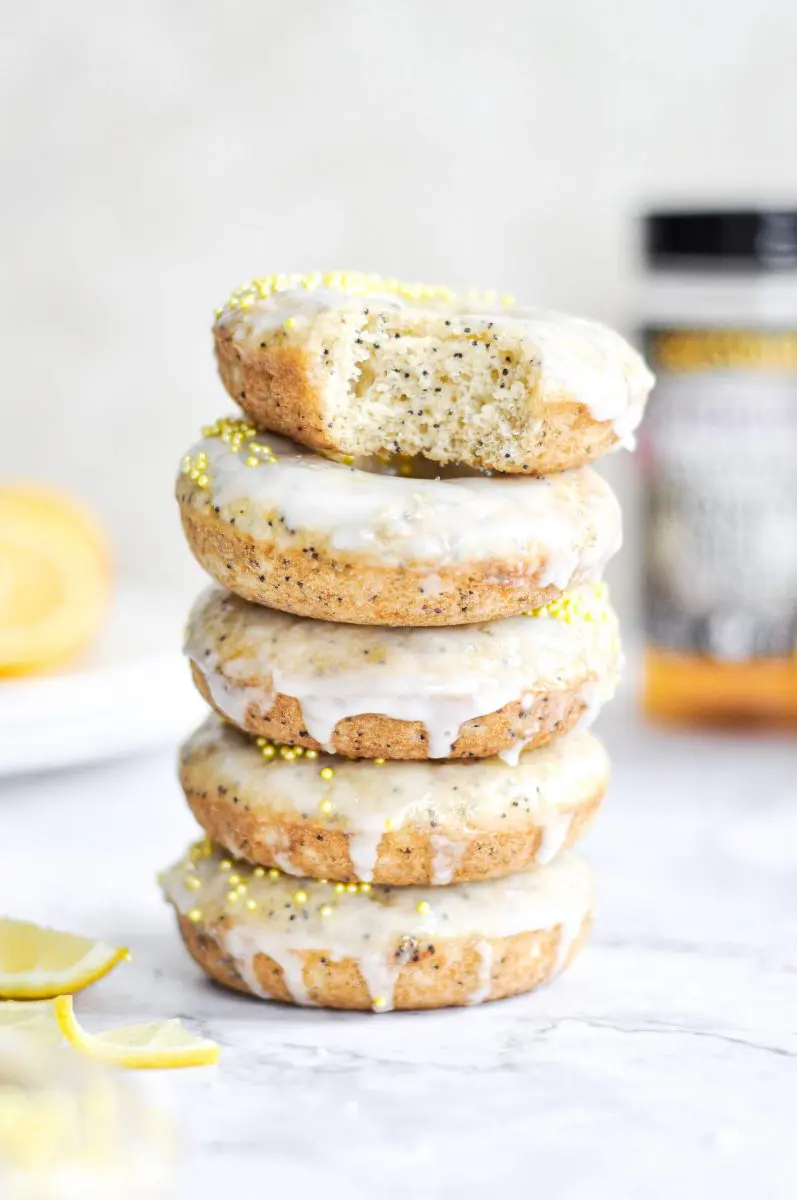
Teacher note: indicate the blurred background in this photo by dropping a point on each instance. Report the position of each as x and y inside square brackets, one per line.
[155, 155]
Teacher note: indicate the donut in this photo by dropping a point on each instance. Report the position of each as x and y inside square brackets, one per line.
[357, 364]
[395, 823]
[323, 539]
[472, 691]
[360, 946]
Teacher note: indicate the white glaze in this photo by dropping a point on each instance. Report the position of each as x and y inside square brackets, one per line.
[563, 529]
[554, 837]
[371, 927]
[441, 678]
[484, 950]
[241, 945]
[446, 858]
[510, 755]
[453, 801]
[266, 315]
[364, 849]
[279, 847]
[582, 360]
[233, 699]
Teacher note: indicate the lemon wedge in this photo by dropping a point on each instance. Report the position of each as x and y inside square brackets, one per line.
[55, 579]
[35, 1018]
[155, 1044]
[38, 963]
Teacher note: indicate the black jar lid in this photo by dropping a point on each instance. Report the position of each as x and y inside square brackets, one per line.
[764, 239]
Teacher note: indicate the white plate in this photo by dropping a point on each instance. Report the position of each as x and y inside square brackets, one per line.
[132, 692]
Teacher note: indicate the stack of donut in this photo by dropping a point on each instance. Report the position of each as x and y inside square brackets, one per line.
[405, 643]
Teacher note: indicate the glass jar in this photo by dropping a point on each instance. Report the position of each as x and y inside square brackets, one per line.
[719, 458]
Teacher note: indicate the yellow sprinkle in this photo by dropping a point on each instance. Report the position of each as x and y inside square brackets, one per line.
[268, 751]
[352, 888]
[291, 321]
[251, 905]
[379, 762]
[252, 461]
[242, 889]
[423, 906]
[300, 897]
[273, 873]
[193, 883]
[326, 910]
[234, 879]
[194, 915]
[311, 755]
[199, 851]
[507, 299]
[365, 887]
[379, 1002]
[590, 602]
[225, 865]
[258, 872]
[326, 773]
[232, 897]
[355, 283]
[388, 823]
[327, 806]
[339, 887]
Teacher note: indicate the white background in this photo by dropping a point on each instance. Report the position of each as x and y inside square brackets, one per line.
[155, 154]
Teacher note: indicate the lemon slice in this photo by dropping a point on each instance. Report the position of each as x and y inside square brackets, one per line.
[38, 963]
[54, 578]
[156, 1044]
[35, 1018]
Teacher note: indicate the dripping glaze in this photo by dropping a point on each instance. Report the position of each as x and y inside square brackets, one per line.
[441, 678]
[452, 802]
[266, 913]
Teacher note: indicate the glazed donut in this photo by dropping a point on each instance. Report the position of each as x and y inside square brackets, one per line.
[364, 947]
[369, 692]
[356, 364]
[391, 823]
[322, 539]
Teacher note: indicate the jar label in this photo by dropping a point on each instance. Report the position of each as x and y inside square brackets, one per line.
[719, 451]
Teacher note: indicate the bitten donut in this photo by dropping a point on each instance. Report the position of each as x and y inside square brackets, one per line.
[388, 822]
[369, 692]
[331, 541]
[356, 364]
[364, 947]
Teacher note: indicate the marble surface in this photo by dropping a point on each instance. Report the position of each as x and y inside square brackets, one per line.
[664, 1064]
